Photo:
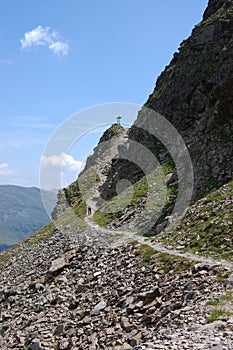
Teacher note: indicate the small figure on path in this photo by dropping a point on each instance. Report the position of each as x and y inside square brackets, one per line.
[89, 210]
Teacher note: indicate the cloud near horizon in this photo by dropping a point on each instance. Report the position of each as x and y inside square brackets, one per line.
[45, 36]
[61, 160]
[5, 169]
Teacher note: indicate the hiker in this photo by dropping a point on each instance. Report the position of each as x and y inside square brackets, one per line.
[89, 210]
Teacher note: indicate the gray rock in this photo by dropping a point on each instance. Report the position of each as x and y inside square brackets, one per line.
[98, 307]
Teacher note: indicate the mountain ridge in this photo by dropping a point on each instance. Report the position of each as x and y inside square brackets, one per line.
[22, 212]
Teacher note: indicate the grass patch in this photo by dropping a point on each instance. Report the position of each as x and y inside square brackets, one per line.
[40, 235]
[227, 297]
[168, 166]
[216, 314]
[166, 261]
[206, 228]
[80, 210]
[146, 251]
[147, 195]
[103, 219]
[212, 303]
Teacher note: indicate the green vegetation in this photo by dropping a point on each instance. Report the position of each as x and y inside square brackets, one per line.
[167, 262]
[222, 307]
[207, 226]
[216, 314]
[115, 129]
[168, 166]
[147, 194]
[172, 262]
[75, 200]
[146, 251]
[103, 219]
[227, 297]
[212, 303]
[222, 14]
[221, 277]
[42, 234]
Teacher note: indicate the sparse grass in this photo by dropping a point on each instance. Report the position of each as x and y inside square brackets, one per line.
[146, 251]
[227, 297]
[103, 219]
[148, 194]
[172, 262]
[213, 303]
[45, 232]
[167, 261]
[221, 277]
[80, 210]
[206, 228]
[168, 166]
[216, 314]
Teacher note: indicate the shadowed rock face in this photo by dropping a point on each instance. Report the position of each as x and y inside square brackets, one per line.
[195, 94]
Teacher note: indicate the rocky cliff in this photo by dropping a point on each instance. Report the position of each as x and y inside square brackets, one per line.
[194, 93]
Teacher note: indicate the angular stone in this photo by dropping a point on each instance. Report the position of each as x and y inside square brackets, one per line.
[57, 265]
[100, 306]
[150, 295]
[125, 324]
[59, 330]
[35, 345]
[61, 279]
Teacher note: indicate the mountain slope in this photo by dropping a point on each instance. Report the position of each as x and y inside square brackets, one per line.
[22, 212]
[74, 285]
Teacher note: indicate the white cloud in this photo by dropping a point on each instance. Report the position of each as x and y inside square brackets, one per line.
[5, 169]
[45, 36]
[61, 160]
[59, 48]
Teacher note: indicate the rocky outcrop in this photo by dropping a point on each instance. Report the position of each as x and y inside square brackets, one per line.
[195, 94]
[94, 173]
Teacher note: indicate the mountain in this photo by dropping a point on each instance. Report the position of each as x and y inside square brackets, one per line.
[22, 212]
[194, 94]
[140, 271]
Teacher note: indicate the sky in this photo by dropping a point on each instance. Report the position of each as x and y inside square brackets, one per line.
[59, 58]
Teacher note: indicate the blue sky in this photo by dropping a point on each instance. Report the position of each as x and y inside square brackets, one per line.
[59, 57]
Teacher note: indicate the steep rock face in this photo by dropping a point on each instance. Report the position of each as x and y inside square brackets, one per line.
[93, 175]
[195, 94]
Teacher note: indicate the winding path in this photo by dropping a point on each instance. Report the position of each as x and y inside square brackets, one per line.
[129, 236]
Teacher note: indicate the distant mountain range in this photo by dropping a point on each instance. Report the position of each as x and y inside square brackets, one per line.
[22, 212]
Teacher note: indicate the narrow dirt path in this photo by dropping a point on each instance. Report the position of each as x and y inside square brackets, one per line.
[125, 236]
